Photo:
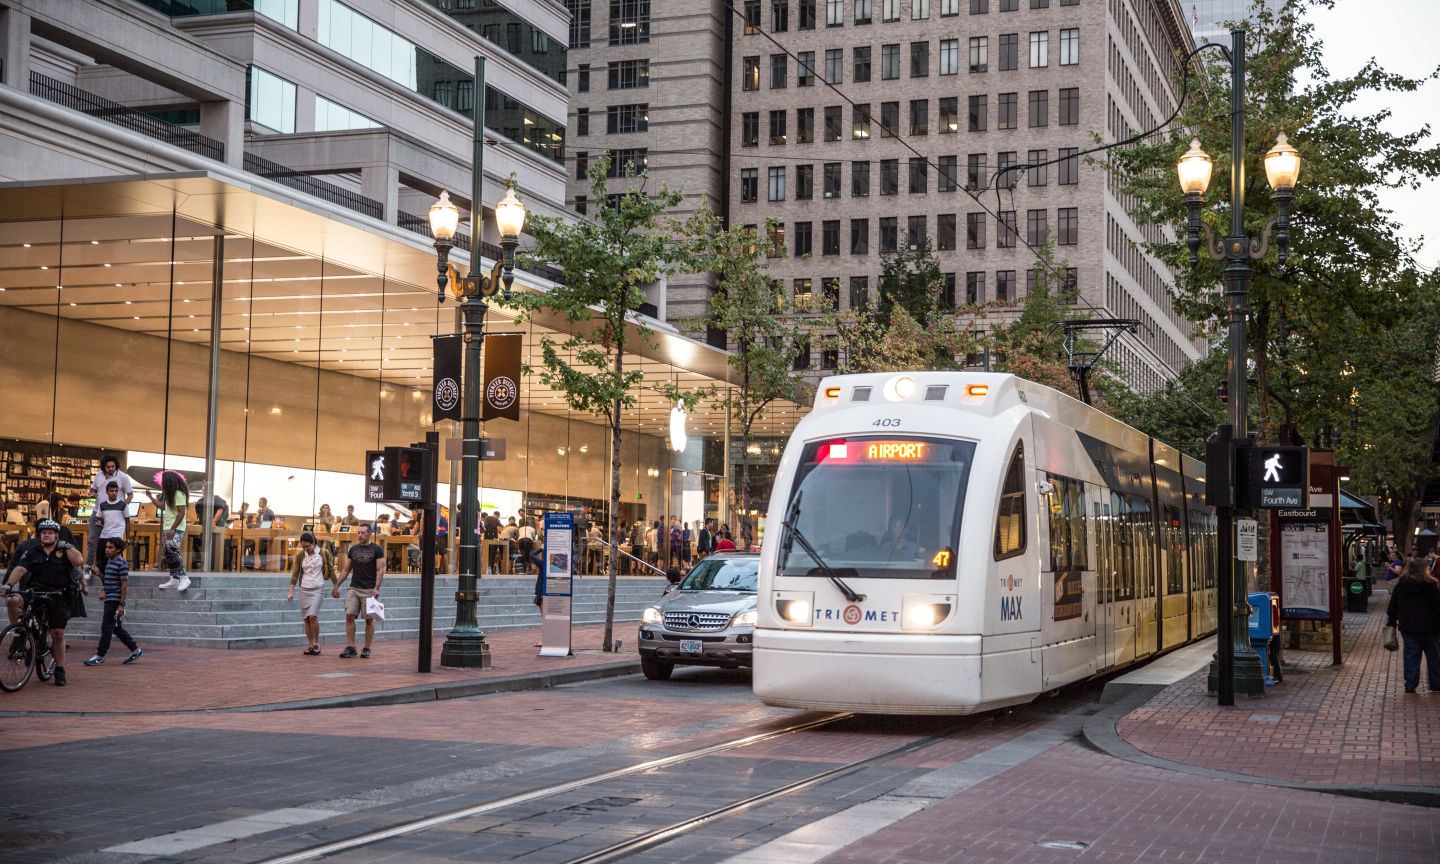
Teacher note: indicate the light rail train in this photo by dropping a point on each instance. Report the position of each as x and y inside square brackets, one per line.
[954, 542]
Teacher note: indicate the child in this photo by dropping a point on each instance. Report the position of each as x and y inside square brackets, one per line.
[114, 586]
[111, 518]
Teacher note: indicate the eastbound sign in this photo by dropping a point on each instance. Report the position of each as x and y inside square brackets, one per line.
[1272, 477]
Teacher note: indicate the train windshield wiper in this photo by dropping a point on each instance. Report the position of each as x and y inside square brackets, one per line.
[793, 534]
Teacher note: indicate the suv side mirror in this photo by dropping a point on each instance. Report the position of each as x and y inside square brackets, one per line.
[669, 588]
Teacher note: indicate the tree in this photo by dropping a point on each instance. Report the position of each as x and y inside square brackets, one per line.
[608, 261]
[1183, 414]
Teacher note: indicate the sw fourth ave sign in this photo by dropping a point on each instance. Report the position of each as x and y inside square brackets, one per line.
[1271, 478]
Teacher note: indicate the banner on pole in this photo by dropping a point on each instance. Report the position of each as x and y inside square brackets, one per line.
[502, 376]
[447, 351]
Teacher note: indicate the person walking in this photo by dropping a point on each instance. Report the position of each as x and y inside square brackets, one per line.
[526, 542]
[366, 561]
[312, 570]
[109, 473]
[1415, 611]
[705, 545]
[173, 502]
[114, 586]
[111, 523]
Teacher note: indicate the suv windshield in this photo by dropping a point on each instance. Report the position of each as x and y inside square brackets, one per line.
[878, 507]
[723, 574]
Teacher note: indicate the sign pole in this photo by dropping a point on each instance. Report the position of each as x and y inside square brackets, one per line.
[427, 551]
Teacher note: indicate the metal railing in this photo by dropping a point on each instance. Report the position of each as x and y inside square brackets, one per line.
[72, 97]
[606, 544]
[313, 186]
[420, 225]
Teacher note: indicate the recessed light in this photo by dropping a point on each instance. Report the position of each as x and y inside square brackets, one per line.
[137, 318]
[26, 245]
[94, 242]
[107, 265]
[72, 304]
[117, 285]
[44, 266]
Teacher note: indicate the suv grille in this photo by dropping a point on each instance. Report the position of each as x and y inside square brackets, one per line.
[696, 620]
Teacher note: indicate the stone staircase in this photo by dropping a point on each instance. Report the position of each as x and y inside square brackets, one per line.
[249, 610]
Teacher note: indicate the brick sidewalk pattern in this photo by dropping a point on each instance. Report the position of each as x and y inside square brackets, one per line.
[1348, 725]
[175, 678]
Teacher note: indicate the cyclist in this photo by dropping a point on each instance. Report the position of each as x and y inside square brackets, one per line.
[49, 565]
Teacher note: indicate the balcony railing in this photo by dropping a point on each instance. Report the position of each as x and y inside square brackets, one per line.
[74, 98]
[411, 222]
[313, 186]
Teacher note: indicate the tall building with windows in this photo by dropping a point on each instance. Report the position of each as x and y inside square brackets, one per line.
[865, 125]
[648, 84]
[1208, 19]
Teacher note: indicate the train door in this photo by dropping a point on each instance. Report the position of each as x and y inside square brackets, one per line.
[1104, 583]
[1175, 614]
[1146, 576]
[1123, 604]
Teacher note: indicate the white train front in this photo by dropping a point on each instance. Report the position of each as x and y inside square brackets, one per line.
[948, 542]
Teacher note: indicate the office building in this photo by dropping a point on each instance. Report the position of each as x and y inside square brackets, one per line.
[1209, 19]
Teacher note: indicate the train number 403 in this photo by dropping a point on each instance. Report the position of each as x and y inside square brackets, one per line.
[887, 421]
[1010, 608]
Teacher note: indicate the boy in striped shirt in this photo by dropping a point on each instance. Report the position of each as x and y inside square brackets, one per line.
[115, 584]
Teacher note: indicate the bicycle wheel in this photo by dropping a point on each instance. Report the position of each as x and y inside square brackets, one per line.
[17, 657]
[45, 666]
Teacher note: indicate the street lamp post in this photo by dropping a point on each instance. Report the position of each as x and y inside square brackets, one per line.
[465, 645]
[1235, 662]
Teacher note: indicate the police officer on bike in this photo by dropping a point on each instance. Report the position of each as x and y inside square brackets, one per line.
[49, 566]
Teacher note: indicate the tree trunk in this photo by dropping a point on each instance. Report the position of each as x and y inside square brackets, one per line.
[612, 557]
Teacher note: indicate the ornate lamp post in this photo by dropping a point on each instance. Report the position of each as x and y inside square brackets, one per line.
[1236, 664]
[465, 646]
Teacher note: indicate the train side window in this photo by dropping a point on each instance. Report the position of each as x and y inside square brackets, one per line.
[1102, 554]
[1174, 569]
[1067, 525]
[1124, 547]
[1010, 518]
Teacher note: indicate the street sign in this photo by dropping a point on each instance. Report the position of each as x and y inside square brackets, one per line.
[556, 585]
[395, 475]
[1272, 477]
[1247, 540]
[375, 471]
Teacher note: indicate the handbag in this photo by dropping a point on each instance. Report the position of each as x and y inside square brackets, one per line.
[374, 609]
[1390, 641]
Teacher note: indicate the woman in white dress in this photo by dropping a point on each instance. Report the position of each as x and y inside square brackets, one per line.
[313, 567]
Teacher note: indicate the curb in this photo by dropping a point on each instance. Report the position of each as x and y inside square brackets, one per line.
[396, 696]
[1100, 733]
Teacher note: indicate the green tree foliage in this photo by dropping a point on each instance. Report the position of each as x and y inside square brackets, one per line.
[608, 260]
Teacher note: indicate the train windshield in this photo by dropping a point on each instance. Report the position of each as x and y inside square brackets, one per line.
[877, 507]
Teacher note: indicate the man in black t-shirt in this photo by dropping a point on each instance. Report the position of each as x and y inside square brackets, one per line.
[366, 562]
[48, 565]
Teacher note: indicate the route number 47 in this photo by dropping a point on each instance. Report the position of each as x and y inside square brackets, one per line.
[887, 421]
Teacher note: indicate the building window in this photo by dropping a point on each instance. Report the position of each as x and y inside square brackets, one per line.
[949, 120]
[1069, 106]
[582, 122]
[805, 71]
[1069, 226]
[635, 74]
[779, 16]
[1069, 2]
[628, 162]
[777, 127]
[805, 125]
[582, 78]
[832, 180]
[804, 293]
[919, 10]
[919, 116]
[919, 175]
[630, 21]
[1009, 5]
[859, 179]
[579, 26]
[1039, 4]
[949, 56]
[749, 185]
[830, 237]
[945, 234]
[889, 119]
[863, 11]
[1007, 174]
[807, 14]
[974, 230]
[802, 356]
[804, 242]
[1039, 49]
[777, 183]
[891, 10]
[1009, 51]
[975, 177]
[979, 7]
[947, 294]
[1039, 108]
[750, 129]
[1070, 46]
[1036, 227]
[889, 234]
[949, 173]
[830, 296]
[860, 65]
[859, 239]
[1038, 172]
[834, 13]
[779, 71]
[889, 176]
[1009, 109]
[919, 59]
[834, 65]
[334, 117]
[752, 17]
[749, 73]
[978, 112]
[804, 182]
[271, 101]
[775, 237]
[1070, 166]
[859, 292]
[889, 62]
[979, 53]
[1004, 285]
[860, 122]
[974, 288]
[1005, 229]
[915, 231]
[582, 204]
[620, 119]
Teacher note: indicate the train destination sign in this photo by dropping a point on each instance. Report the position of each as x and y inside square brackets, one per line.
[881, 451]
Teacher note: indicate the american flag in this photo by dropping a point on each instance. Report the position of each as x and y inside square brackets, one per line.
[1194, 16]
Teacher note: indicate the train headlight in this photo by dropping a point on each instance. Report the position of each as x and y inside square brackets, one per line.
[899, 388]
[925, 611]
[745, 619]
[795, 608]
[651, 615]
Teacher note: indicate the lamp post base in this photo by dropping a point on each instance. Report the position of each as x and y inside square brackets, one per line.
[1249, 677]
[465, 650]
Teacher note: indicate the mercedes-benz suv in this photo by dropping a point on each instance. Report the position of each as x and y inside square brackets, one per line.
[706, 620]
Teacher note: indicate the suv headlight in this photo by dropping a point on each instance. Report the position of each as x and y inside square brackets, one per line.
[651, 615]
[745, 619]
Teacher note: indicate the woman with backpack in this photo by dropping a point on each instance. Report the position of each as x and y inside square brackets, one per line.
[1415, 610]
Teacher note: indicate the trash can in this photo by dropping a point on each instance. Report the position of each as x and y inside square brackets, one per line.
[1357, 598]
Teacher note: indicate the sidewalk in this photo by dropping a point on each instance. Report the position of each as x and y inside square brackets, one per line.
[1348, 726]
[173, 678]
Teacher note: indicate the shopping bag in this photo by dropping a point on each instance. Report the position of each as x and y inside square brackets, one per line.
[374, 609]
[1390, 641]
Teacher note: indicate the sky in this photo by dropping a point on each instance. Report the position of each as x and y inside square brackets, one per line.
[1401, 35]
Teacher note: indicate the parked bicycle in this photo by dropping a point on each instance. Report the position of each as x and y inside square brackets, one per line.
[25, 646]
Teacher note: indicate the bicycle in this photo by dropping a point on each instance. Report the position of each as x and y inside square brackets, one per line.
[25, 647]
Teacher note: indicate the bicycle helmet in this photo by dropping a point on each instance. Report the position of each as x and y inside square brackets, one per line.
[47, 525]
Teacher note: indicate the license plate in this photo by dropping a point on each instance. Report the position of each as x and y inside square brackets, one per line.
[691, 646]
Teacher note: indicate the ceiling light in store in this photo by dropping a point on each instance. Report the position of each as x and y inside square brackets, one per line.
[127, 302]
[107, 265]
[136, 318]
[94, 242]
[118, 285]
[72, 304]
[44, 267]
[186, 300]
[26, 245]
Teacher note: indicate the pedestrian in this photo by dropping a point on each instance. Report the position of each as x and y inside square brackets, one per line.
[1395, 565]
[173, 502]
[526, 542]
[706, 543]
[490, 530]
[349, 518]
[312, 570]
[685, 539]
[48, 564]
[653, 542]
[114, 587]
[726, 543]
[109, 473]
[365, 567]
[1415, 611]
[637, 546]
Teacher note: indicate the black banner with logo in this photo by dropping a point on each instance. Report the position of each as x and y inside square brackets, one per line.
[502, 376]
[448, 353]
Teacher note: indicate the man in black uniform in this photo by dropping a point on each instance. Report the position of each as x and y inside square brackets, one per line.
[49, 566]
